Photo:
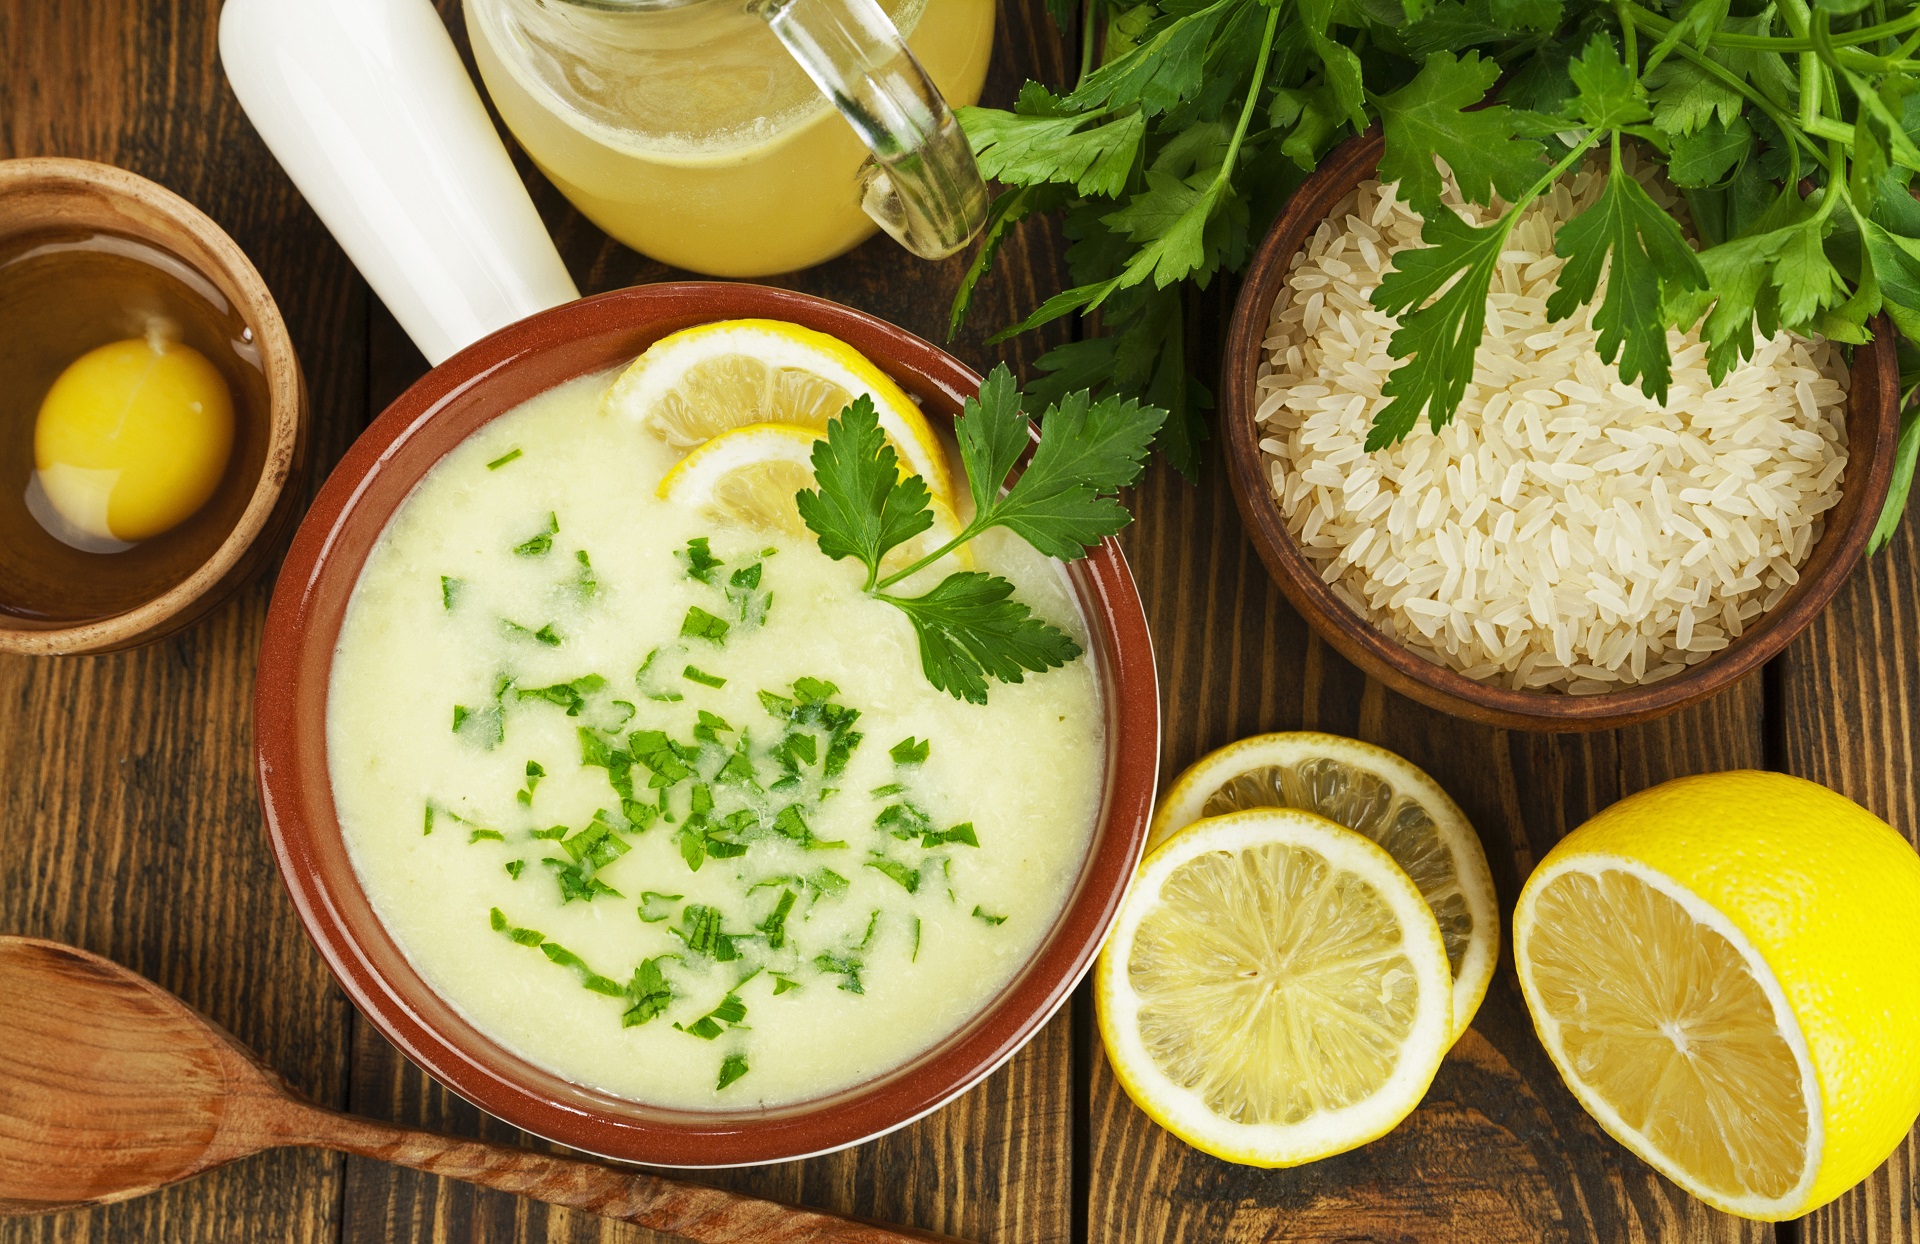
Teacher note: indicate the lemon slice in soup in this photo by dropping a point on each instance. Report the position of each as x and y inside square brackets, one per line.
[748, 476]
[701, 382]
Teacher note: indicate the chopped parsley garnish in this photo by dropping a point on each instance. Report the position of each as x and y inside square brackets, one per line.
[449, 590]
[969, 627]
[460, 715]
[903, 821]
[889, 790]
[700, 931]
[828, 881]
[648, 898]
[980, 914]
[485, 726]
[730, 1012]
[732, 1067]
[846, 967]
[545, 635]
[694, 673]
[524, 796]
[959, 833]
[699, 559]
[504, 458]
[571, 696]
[585, 581]
[557, 954]
[915, 956]
[746, 578]
[782, 984]
[792, 823]
[699, 624]
[775, 925]
[542, 544]
[711, 727]
[651, 687]
[485, 835]
[515, 867]
[649, 993]
[906, 878]
[911, 751]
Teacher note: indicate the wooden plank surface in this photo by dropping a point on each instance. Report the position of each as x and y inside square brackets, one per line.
[132, 825]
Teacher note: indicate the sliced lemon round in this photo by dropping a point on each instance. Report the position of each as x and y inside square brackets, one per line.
[1721, 969]
[1275, 989]
[697, 383]
[749, 475]
[1378, 794]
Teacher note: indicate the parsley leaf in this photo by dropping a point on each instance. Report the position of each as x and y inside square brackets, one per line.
[1429, 116]
[971, 630]
[648, 994]
[1642, 249]
[732, 1067]
[862, 508]
[541, 544]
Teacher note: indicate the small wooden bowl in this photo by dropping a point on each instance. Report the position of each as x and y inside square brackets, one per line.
[1872, 427]
[47, 194]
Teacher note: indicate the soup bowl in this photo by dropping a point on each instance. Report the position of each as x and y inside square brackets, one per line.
[310, 602]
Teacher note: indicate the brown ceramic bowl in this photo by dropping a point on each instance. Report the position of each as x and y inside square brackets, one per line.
[290, 706]
[1872, 427]
[39, 195]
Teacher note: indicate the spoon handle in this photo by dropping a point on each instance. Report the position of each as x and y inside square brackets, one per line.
[691, 1211]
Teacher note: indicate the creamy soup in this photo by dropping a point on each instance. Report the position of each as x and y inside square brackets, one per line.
[668, 807]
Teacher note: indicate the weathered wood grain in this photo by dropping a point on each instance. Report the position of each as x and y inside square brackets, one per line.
[132, 826]
[1499, 1153]
[1849, 689]
[994, 1165]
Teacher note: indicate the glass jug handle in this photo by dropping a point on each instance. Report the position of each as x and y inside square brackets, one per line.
[920, 184]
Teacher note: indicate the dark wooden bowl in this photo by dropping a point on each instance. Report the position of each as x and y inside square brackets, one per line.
[450, 403]
[1873, 419]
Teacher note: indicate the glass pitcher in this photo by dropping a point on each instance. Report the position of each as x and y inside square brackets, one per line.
[702, 132]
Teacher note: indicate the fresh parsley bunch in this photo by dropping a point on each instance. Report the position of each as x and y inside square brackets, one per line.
[1792, 128]
[969, 625]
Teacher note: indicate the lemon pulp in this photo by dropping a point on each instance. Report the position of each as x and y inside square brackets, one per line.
[1661, 1018]
[133, 437]
[737, 389]
[1369, 805]
[1272, 985]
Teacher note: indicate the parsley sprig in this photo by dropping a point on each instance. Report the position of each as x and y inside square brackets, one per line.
[970, 628]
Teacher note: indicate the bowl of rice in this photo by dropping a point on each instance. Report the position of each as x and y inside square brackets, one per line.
[1566, 554]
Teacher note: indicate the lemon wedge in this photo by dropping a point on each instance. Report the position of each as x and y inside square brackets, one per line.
[695, 384]
[1275, 989]
[749, 475]
[1721, 968]
[1378, 794]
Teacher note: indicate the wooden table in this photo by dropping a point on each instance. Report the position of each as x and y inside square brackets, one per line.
[129, 822]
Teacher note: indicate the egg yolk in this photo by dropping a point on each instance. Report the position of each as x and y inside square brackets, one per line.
[133, 438]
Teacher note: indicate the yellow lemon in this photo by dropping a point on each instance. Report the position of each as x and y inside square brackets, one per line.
[1722, 969]
[1376, 793]
[1275, 990]
[133, 437]
[697, 383]
[749, 476]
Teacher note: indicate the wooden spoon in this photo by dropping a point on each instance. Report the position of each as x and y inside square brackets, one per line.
[113, 1088]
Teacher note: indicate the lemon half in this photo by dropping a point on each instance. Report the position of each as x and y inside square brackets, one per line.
[1275, 989]
[1721, 968]
[749, 476]
[700, 382]
[1382, 796]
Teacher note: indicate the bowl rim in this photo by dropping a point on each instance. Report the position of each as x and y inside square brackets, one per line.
[269, 505]
[1874, 391]
[309, 599]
